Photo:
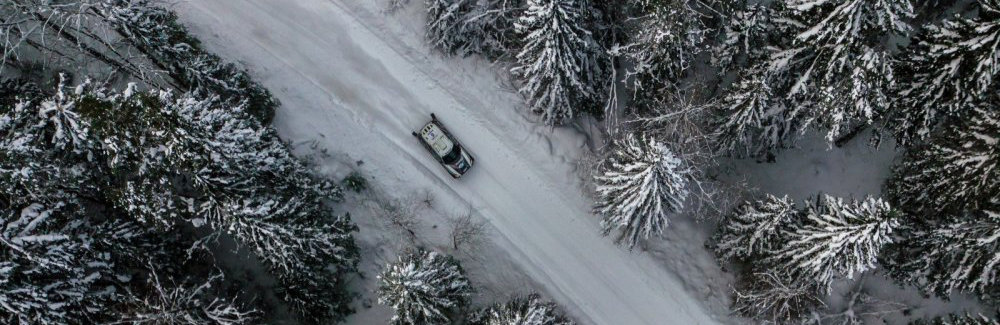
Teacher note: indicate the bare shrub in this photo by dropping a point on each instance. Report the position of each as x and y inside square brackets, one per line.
[466, 230]
[859, 309]
[401, 214]
[426, 197]
[772, 298]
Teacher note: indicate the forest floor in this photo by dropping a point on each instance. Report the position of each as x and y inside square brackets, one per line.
[354, 81]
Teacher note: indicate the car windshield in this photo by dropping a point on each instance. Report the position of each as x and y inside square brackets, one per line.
[452, 157]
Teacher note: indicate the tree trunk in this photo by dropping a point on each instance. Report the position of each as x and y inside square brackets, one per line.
[847, 137]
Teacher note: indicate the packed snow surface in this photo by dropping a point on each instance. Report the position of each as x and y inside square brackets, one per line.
[349, 84]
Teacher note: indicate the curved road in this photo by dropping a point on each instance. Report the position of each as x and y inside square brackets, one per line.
[359, 90]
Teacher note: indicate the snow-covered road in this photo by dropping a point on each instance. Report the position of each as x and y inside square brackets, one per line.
[351, 86]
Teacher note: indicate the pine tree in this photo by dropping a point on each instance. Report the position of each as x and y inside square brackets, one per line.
[422, 287]
[491, 26]
[756, 114]
[558, 61]
[49, 273]
[276, 208]
[952, 67]
[154, 161]
[750, 35]
[135, 37]
[666, 40]
[521, 311]
[55, 267]
[317, 292]
[753, 120]
[642, 182]
[843, 72]
[835, 238]
[155, 32]
[147, 161]
[754, 230]
[446, 25]
[957, 171]
[960, 254]
[968, 319]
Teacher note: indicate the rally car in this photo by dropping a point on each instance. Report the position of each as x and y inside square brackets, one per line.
[445, 148]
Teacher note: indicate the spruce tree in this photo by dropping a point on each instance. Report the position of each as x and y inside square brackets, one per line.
[957, 171]
[49, 273]
[639, 186]
[531, 310]
[753, 120]
[446, 26]
[491, 26]
[62, 262]
[951, 67]
[750, 35]
[756, 114]
[959, 254]
[666, 39]
[155, 33]
[423, 287]
[755, 229]
[843, 71]
[835, 238]
[277, 209]
[558, 62]
[146, 163]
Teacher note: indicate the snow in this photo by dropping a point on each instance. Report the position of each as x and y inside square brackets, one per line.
[354, 81]
[812, 167]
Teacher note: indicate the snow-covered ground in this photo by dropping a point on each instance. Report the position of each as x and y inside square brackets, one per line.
[356, 81]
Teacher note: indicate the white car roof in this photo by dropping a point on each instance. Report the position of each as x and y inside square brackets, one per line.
[436, 138]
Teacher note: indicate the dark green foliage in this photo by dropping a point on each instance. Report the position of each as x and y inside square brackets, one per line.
[15, 90]
[69, 254]
[491, 26]
[447, 26]
[319, 298]
[355, 182]
[834, 238]
[155, 31]
[466, 27]
[828, 238]
[153, 164]
[958, 254]
[49, 272]
[805, 64]
[755, 229]
[790, 256]
[665, 39]
[952, 66]
[957, 171]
